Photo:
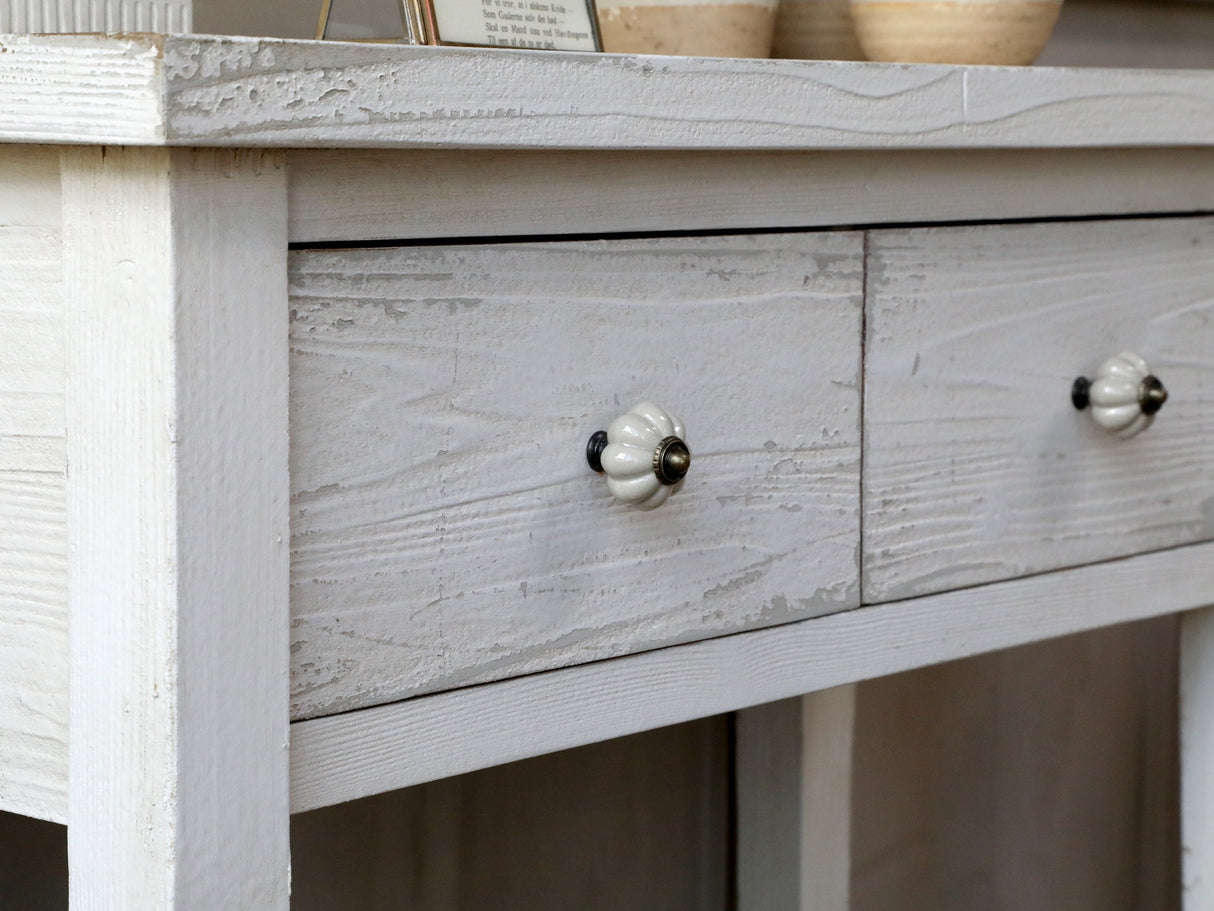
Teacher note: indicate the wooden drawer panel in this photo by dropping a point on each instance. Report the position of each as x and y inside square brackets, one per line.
[445, 526]
[977, 467]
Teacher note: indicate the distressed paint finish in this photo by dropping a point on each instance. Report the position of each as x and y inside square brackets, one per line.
[446, 529]
[338, 194]
[309, 94]
[342, 757]
[977, 466]
[81, 88]
[33, 518]
[201, 90]
[178, 525]
[119, 90]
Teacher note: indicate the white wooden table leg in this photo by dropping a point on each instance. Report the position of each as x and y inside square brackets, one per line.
[794, 803]
[1197, 758]
[175, 268]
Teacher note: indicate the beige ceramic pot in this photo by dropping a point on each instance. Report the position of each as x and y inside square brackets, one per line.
[1010, 32]
[815, 30]
[700, 28]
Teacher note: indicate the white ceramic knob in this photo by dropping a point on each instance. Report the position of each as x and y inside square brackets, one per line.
[643, 454]
[1123, 394]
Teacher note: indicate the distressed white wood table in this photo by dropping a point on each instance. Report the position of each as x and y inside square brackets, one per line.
[303, 344]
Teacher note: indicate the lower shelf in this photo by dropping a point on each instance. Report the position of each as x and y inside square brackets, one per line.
[343, 757]
[1043, 776]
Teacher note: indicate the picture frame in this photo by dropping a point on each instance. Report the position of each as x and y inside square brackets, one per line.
[565, 25]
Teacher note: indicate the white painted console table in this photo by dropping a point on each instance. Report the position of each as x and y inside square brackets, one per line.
[303, 344]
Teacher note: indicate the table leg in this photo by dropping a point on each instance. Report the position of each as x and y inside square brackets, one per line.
[1197, 758]
[794, 766]
[176, 328]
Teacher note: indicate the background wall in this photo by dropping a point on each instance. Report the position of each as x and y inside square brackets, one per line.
[636, 823]
[1043, 777]
[1132, 33]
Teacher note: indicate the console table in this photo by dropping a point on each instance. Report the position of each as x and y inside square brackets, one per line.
[304, 343]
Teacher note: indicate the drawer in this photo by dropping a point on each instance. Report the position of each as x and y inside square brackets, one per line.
[977, 465]
[446, 528]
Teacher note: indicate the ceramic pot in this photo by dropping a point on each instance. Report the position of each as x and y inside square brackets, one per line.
[697, 28]
[1007, 32]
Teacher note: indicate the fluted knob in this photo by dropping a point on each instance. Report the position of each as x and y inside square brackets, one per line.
[1123, 394]
[643, 454]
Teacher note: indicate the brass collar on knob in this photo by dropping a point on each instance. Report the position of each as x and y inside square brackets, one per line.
[671, 460]
[1151, 395]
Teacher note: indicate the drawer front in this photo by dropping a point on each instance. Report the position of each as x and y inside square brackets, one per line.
[977, 465]
[446, 528]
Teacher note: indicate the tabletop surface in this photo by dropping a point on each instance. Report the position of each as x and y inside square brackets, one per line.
[234, 91]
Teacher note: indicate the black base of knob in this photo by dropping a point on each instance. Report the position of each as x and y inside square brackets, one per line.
[1079, 392]
[594, 449]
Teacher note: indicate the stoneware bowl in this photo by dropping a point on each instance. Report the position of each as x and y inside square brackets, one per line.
[1006, 32]
[698, 28]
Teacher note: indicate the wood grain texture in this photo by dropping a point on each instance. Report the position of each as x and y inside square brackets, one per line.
[199, 90]
[1197, 758]
[352, 755]
[33, 644]
[178, 526]
[977, 467]
[793, 784]
[339, 195]
[58, 16]
[33, 521]
[308, 94]
[81, 89]
[446, 529]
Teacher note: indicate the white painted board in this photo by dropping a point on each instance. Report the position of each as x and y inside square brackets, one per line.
[446, 528]
[178, 526]
[202, 90]
[33, 501]
[794, 802]
[93, 89]
[355, 194]
[341, 757]
[305, 94]
[1197, 758]
[977, 466]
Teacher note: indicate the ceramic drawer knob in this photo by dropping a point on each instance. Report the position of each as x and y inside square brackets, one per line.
[1124, 395]
[643, 455]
